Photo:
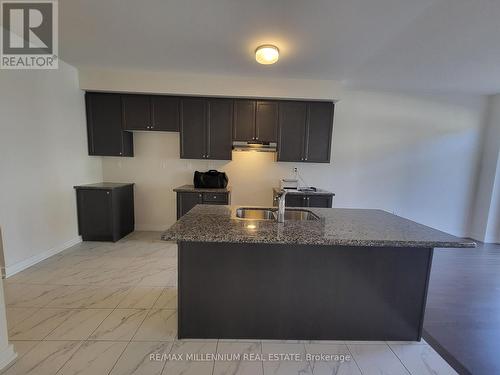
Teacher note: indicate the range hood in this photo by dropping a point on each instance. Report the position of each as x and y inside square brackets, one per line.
[254, 146]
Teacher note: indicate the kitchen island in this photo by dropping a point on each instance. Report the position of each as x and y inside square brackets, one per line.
[343, 274]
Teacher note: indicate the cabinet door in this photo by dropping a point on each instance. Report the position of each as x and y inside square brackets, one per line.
[266, 121]
[244, 120]
[219, 132]
[186, 201]
[95, 219]
[295, 200]
[319, 132]
[319, 201]
[292, 124]
[165, 113]
[104, 126]
[193, 128]
[136, 112]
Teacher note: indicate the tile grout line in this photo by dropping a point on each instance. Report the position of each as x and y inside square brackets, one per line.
[409, 372]
[216, 351]
[354, 359]
[262, 355]
[71, 356]
[118, 358]
[164, 364]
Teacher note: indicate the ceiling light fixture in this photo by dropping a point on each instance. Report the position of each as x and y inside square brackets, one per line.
[267, 54]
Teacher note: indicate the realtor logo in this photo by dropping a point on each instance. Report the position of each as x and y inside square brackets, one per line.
[29, 35]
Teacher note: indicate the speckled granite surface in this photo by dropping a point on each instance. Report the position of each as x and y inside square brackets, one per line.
[103, 185]
[317, 192]
[192, 189]
[337, 226]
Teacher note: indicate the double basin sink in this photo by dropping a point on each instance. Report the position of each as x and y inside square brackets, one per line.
[272, 214]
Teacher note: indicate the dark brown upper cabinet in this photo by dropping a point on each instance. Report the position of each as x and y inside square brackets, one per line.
[104, 126]
[292, 127]
[305, 131]
[255, 120]
[165, 113]
[219, 132]
[150, 112]
[244, 120]
[206, 128]
[136, 112]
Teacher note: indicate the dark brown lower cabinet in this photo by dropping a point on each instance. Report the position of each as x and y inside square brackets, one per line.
[105, 211]
[307, 200]
[187, 200]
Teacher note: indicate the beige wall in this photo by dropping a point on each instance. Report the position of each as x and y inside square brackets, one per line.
[43, 146]
[415, 155]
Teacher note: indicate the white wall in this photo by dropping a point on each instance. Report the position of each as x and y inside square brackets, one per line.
[486, 219]
[43, 146]
[493, 230]
[413, 155]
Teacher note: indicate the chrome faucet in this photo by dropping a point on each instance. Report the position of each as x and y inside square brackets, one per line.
[281, 206]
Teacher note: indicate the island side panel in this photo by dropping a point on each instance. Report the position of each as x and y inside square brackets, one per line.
[287, 292]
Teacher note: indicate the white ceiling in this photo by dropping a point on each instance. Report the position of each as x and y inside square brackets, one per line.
[429, 45]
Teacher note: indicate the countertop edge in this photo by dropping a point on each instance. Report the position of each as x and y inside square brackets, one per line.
[97, 187]
[347, 243]
[190, 188]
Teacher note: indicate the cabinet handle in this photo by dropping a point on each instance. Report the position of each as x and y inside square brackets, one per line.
[199, 195]
[120, 153]
[305, 158]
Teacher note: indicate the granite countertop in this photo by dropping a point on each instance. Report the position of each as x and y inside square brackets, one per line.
[192, 189]
[296, 191]
[104, 185]
[337, 226]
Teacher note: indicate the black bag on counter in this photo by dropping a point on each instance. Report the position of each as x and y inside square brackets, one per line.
[212, 179]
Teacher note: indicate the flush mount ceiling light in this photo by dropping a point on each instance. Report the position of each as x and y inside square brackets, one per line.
[267, 54]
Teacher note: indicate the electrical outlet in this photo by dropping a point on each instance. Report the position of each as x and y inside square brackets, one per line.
[295, 169]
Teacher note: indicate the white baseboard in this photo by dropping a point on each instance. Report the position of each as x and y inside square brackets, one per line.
[151, 227]
[7, 355]
[22, 265]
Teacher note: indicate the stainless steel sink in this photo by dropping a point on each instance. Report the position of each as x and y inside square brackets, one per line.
[300, 215]
[270, 214]
[255, 213]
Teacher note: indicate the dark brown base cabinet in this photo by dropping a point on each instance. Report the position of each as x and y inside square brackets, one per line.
[254, 291]
[105, 211]
[187, 200]
[307, 200]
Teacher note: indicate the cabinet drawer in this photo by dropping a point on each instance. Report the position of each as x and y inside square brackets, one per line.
[215, 197]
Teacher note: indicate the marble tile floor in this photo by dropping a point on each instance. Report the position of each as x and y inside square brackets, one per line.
[104, 308]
